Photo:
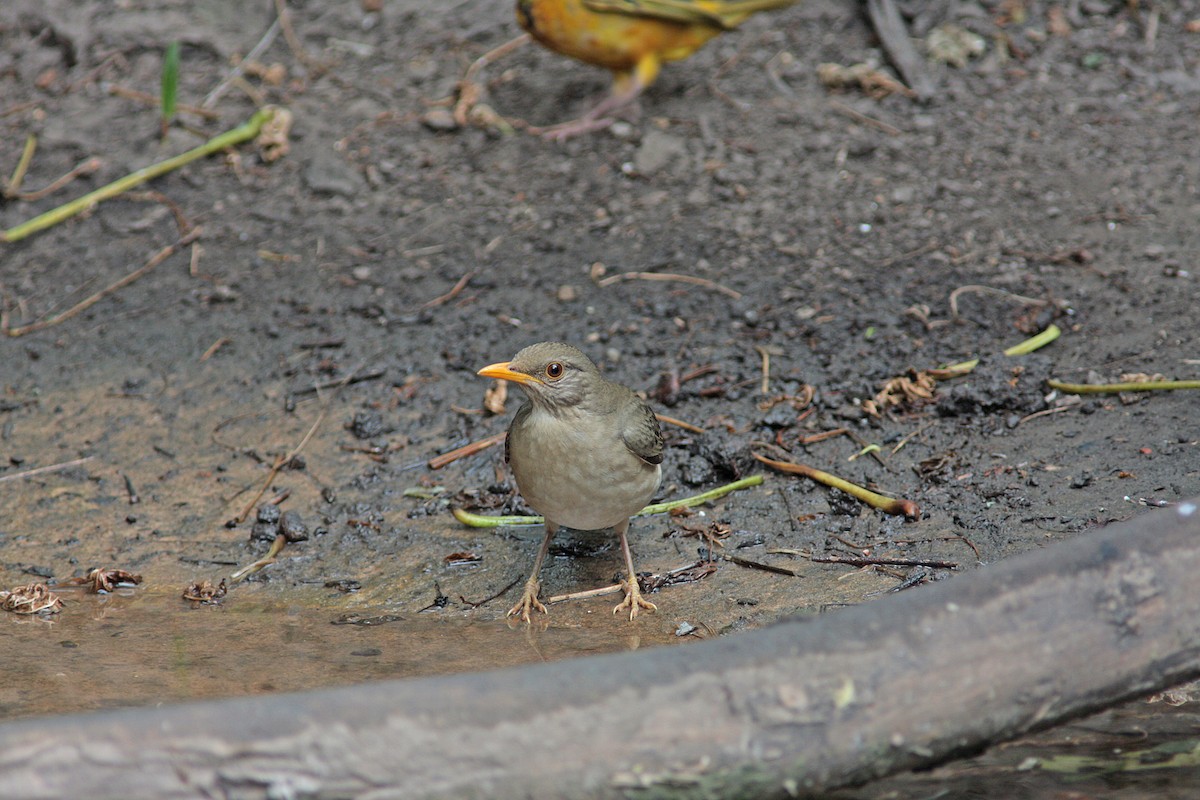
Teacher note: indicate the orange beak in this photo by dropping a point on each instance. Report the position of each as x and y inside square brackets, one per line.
[504, 372]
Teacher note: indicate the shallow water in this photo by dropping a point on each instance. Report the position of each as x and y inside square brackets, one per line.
[139, 648]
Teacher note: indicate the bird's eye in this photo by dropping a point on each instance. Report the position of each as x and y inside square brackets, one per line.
[554, 370]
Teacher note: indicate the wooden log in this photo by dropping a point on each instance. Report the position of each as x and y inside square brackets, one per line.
[907, 681]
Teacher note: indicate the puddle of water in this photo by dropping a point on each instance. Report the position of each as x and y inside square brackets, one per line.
[144, 648]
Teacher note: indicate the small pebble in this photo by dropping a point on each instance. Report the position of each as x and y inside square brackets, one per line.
[292, 526]
[366, 425]
[264, 532]
[439, 120]
[268, 512]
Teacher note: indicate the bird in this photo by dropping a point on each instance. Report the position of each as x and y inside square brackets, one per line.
[632, 38]
[586, 454]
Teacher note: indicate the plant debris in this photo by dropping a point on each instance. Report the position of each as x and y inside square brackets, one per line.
[205, 592]
[35, 598]
[104, 580]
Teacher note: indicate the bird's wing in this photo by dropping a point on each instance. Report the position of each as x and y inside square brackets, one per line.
[518, 419]
[643, 436]
[721, 13]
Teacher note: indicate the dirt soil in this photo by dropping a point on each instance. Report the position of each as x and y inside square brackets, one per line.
[852, 239]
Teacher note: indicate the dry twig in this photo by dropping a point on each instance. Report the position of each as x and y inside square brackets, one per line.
[469, 90]
[295, 451]
[453, 293]
[437, 462]
[29, 473]
[678, 423]
[872, 561]
[669, 276]
[159, 257]
[269, 558]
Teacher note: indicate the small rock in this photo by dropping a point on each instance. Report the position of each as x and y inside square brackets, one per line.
[292, 526]
[268, 513]
[697, 471]
[622, 130]
[850, 412]
[439, 120]
[328, 174]
[685, 629]
[656, 152]
[367, 425]
[781, 415]
[264, 532]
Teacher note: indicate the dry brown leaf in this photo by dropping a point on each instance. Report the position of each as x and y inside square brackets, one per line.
[495, 396]
[31, 599]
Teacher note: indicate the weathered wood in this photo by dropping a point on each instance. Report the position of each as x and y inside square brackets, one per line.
[906, 681]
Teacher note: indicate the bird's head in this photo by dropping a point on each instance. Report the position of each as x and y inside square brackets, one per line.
[554, 375]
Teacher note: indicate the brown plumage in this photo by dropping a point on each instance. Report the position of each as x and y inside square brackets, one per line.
[585, 453]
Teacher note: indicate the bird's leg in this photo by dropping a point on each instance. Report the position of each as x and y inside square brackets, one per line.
[626, 88]
[529, 598]
[633, 593]
[598, 119]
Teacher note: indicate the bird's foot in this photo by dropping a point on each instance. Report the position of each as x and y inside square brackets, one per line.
[633, 600]
[602, 117]
[529, 602]
[576, 127]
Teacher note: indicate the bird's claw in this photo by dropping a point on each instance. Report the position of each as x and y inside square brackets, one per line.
[576, 127]
[528, 603]
[633, 601]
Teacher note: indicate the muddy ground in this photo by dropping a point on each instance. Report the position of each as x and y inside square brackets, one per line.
[1056, 167]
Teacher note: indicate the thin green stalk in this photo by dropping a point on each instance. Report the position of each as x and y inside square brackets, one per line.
[1128, 386]
[1034, 342]
[704, 497]
[483, 521]
[242, 133]
[1020, 349]
[14, 183]
[170, 85]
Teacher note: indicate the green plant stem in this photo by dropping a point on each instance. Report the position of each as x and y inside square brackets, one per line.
[14, 183]
[1128, 386]
[484, 521]
[244, 132]
[888, 505]
[704, 497]
[170, 85]
[1020, 349]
